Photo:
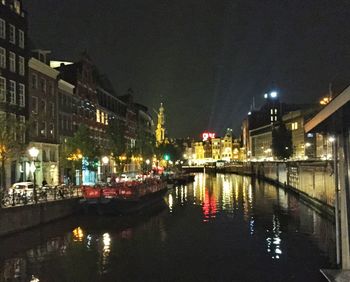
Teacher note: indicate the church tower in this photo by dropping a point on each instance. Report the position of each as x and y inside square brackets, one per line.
[160, 131]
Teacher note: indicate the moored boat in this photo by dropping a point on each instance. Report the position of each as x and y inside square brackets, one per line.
[124, 197]
[181, 179]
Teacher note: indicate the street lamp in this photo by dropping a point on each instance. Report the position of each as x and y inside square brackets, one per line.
[105, 161]
[34, 152]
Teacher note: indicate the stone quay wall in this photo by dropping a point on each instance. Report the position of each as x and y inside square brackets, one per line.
[19, 218]
[312, 180]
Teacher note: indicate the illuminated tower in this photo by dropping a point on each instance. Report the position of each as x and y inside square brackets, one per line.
[160, 131]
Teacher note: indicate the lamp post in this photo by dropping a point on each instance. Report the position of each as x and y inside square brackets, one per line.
[105, 161]
[34, 152]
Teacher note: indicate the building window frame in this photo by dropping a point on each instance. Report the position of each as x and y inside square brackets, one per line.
[34, 104]
[34, 81]
[43, 131]
[43, 105]
[2, 28]
[12, 92]
[21, 38]
[43, 84]
[2, 57]
[21, 94]
[2, 89]
[12, 34]
[21, 64]
[12, 60]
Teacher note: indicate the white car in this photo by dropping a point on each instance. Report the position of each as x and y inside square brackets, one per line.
[22, 188]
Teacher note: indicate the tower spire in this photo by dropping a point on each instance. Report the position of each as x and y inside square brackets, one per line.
[160, 130]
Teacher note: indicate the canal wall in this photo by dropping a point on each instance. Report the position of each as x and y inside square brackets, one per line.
[19, 218]
[313, 181]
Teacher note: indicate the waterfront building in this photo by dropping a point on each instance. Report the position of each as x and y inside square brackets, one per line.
[198, 153]
[43, 109]
[216, 148]
[13, 79]
[261, 143]
[304, 145]
[67, 104]
[226, 146]
[81, 74]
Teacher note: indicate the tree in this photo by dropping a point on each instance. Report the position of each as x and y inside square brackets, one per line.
[145, 144]
[11, 142]
[116, 133]
[81, 145]
[282, 146]
[169, 151]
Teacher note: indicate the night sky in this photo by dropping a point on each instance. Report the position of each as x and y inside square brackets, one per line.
[205, 59]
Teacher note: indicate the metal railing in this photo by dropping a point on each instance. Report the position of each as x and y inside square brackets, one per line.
[16, 197]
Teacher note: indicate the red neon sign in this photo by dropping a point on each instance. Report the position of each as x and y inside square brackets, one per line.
[207, 135]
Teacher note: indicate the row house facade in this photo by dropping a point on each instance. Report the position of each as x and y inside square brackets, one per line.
[13, 78]
[43, 113]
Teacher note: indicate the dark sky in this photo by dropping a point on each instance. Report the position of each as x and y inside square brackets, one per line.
[205, 59]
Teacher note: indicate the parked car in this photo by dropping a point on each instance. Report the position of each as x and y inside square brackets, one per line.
[22, 188]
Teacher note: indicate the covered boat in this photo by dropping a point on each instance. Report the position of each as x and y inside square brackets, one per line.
[123, 197]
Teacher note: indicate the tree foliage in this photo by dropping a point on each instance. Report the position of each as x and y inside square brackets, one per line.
[78, 146]
[169, 149]
[11, 142]
[282, 146]
[116, 133]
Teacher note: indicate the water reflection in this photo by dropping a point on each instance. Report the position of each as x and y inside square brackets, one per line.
[217, 221]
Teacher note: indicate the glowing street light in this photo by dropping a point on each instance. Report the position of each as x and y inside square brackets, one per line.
[331, 139]
[105, 160]
[273, 94]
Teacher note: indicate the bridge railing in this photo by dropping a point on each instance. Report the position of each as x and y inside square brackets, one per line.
[39, 195]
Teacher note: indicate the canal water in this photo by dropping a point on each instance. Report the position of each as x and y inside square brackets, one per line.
[219, 228]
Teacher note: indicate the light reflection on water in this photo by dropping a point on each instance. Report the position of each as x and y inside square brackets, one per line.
[215, 217]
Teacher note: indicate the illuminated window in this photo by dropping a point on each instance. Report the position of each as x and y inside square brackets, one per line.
[271, 118]
[102, 117]
[98, 115]
[275, 111]
[106, 119]
[17, 6]
[294, 125]
[271, 111]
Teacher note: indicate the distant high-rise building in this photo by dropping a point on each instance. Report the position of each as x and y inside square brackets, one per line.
[160, 131]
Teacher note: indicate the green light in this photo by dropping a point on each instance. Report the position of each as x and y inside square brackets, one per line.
[166, 157]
